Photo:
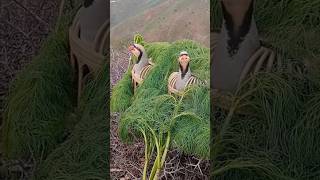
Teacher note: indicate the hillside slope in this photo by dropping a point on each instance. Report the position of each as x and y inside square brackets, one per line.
[121, 10]
[167, 21]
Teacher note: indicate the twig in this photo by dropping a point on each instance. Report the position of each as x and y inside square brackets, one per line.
[61, 8]
[131, 174]
[196, 166]
[115, 170]
[33, 14]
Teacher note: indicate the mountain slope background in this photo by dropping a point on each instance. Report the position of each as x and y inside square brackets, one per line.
[160, 20]
[123, 9]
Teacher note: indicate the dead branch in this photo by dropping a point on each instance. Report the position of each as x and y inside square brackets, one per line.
[31, 13]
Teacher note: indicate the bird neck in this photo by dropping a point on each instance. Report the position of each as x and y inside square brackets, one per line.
[142, 58]
[184, 71]
[238, 20]
[141, 62]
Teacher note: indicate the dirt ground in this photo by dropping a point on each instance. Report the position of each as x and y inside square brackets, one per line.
[127, 160]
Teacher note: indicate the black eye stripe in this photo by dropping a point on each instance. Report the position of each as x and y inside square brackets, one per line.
[137, 47]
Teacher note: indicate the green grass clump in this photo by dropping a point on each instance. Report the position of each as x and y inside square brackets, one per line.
[41, 97]
[152, 107]
[84, 155]
[138, 39]
[38, 101]
[162, 120]
[191, 128]
[167, 62]
[275, 140]
[122, 92]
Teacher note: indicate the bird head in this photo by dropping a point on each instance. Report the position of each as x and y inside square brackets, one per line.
[184, 59]
[136, 49]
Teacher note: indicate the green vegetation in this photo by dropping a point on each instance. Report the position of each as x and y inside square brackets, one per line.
[278, 138]
[138, 39]
[163, 120]
[84, 155]
[43, 122]
[39, 100]
[122, 93]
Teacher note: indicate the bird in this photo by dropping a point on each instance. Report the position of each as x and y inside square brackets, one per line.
[142, 66]
[238, 50]
[178, 81]
[93, 15]
[88, 39]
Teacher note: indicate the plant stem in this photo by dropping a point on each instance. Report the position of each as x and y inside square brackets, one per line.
[157, 160]
[154, 167]
[165, 149]
[144, 176]
[163, 158]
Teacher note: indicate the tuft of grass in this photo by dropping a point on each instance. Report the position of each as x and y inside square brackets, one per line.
[138, 39]
[192, 126]
[84, 155]
[38, 102]
[275, 136]
[40, 98]
[122, 94]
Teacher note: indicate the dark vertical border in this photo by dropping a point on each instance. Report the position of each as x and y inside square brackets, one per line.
[108, 91]
[215, 24]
